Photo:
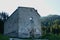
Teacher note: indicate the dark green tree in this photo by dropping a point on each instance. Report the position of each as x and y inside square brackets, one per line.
[3, 17]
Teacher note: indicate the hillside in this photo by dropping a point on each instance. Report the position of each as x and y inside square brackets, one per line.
[49, 19]
[51, 27]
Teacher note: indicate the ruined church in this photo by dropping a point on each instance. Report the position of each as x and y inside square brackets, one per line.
[23, 23]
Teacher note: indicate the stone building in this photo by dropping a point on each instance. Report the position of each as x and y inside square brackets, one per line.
[23, 23]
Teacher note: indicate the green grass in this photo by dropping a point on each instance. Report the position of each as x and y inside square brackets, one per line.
[2, 37]
[46, 36]
[51, 36]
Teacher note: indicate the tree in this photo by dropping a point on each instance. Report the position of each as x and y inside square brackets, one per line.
[3, 17]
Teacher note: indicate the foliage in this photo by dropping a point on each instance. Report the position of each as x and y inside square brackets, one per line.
[3, 18]
[2, 37]
[51, 27]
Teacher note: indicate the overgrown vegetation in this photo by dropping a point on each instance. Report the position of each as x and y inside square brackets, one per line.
[2, 37]
[51, 27]
[3, 18]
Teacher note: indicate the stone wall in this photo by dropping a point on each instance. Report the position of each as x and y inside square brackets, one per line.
[19, 24]
[11, 25]
[25, 25]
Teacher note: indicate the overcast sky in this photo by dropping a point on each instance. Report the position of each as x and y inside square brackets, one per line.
[44, 7]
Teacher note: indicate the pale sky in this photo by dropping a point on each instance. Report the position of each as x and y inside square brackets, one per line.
[44, 7]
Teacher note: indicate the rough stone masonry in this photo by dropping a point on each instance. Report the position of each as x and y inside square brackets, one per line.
[23, 23]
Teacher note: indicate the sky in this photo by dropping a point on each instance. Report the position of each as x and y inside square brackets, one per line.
[44, 7]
